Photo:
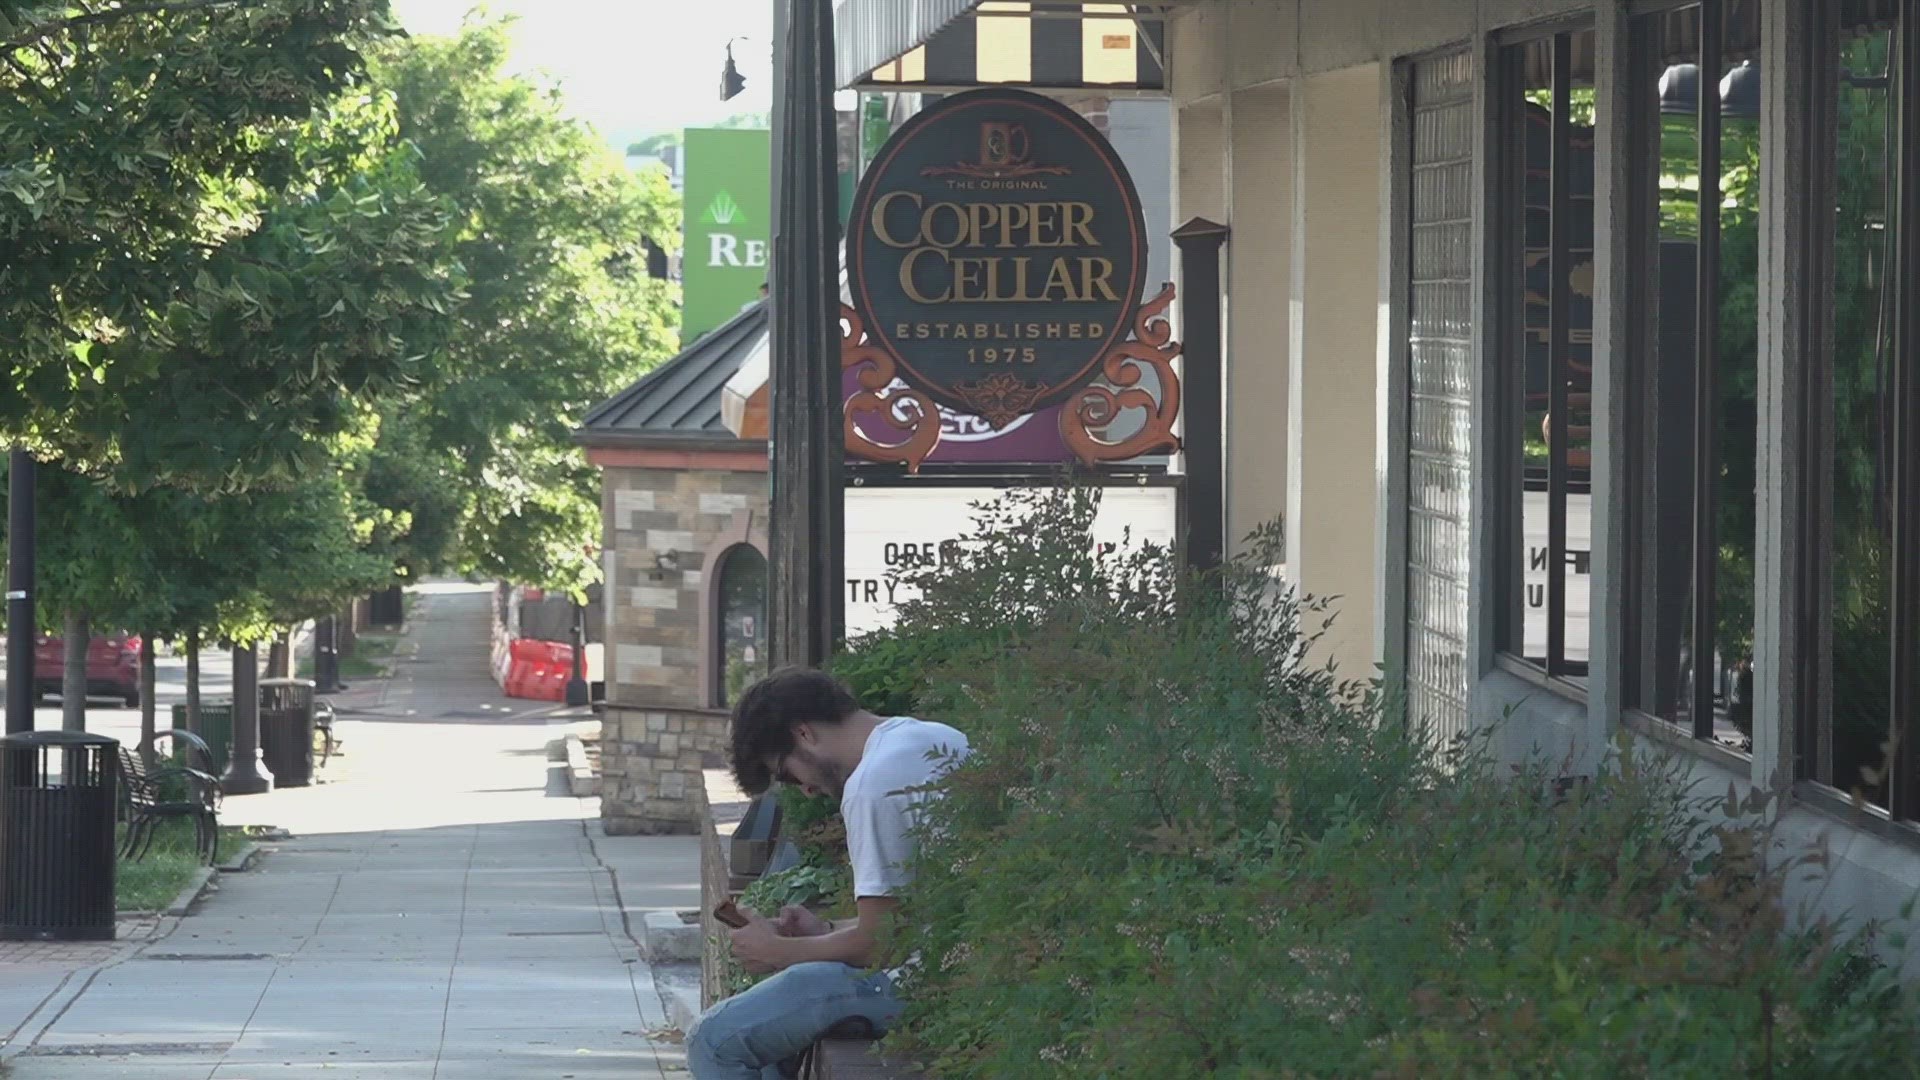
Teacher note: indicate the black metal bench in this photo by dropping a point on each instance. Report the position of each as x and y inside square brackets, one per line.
[150, 796]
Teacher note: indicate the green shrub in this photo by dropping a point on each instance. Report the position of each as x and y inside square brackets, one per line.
[827, 889]
[1183, 847]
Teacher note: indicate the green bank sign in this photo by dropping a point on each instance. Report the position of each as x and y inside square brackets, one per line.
[728, 211]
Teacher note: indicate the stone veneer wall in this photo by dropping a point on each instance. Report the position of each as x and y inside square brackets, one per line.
[651, 762]
[661, 728]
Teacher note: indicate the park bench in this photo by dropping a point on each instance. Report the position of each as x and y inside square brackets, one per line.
[151, 795]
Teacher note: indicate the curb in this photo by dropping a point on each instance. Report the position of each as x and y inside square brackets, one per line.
[670, 939]
[682, 1003]
[202, 882]
[242, 860]
[579, 772]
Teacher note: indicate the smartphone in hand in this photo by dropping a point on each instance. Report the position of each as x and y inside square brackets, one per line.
[730, 915]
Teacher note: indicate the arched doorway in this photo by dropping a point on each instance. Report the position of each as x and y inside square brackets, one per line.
[740, 639]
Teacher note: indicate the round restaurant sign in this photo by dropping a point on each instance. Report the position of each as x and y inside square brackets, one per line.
[997, 252]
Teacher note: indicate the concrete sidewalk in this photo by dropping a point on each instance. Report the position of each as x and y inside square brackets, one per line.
[439, 914]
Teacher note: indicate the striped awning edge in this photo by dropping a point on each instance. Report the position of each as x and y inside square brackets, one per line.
[1042, 44]
[869, 33]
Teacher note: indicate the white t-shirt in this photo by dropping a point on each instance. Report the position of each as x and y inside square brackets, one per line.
[880, 812]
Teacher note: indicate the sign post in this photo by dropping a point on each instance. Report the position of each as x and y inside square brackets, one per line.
[20, 613]
[804, 530]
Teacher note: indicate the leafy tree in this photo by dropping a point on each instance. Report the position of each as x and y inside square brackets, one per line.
[559, 314]
[218, 254]
[653, 144]
[198, 239]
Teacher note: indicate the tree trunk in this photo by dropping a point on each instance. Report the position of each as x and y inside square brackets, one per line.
[149, 726]
[193, 681]
[347, 632]
[73, 682]
[280, 656]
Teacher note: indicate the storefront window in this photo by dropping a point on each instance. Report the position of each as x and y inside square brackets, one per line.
[1548, 115]
[742, 643]
[1694, 380]
[1863, 520]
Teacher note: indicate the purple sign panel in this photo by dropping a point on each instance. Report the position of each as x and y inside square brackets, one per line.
[1030, 439]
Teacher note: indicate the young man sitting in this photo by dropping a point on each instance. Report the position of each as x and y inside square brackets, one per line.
[802, 727]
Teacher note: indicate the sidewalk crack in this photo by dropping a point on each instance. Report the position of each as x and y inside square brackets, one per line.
[459, 944]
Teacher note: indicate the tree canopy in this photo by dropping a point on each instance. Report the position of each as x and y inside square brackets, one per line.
[559, 314]
[298, 303]
[212, 249]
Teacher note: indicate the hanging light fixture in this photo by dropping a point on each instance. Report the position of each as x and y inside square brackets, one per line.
[1739, 91]
[731, 81]
[1679, 89]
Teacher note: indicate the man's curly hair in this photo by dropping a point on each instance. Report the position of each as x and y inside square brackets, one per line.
[769, 710]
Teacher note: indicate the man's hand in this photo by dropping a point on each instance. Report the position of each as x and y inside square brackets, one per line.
[797, 921]
[758, 945]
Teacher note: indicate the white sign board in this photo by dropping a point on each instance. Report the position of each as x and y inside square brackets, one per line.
[1533, 576]
[893, 531]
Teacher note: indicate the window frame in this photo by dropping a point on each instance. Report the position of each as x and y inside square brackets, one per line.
[1812, 661]
[1506, 244]
[1904, 793]
[1643, 209]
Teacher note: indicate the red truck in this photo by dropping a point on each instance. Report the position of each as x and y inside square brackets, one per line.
[113, 666]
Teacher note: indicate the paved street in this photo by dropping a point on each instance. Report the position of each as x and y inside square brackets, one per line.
[111, 717]
[440, 913]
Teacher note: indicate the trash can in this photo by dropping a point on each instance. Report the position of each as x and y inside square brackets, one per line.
[286, 730]
[216, 729]
[58, 795]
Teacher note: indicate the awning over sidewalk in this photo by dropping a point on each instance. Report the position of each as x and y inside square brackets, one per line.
[1043, 44]
[869, 33]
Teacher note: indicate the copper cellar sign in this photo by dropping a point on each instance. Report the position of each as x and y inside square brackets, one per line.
[997, 252]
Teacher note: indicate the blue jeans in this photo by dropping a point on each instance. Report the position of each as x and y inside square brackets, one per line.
[747, 1036]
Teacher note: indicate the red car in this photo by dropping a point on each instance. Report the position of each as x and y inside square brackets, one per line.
[113, 666]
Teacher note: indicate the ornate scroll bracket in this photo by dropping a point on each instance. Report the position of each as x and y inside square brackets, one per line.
[1089, 412]
[1095, 407]
[875, 373]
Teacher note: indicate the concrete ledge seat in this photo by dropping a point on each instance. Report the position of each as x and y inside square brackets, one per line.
[856, 1059]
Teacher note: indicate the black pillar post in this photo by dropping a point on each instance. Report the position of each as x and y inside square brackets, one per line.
[20, 618]
[326, 656]
[1202, 382]
[806, 524]
[245, 773]
[577, 685]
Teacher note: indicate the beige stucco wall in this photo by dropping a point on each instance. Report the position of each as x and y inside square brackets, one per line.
[1260, 192]
[1228, 45]
[1331, 503]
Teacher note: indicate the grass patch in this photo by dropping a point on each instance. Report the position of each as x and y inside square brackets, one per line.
[153, 882]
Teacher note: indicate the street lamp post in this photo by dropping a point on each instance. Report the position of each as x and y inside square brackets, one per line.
[20, 618]
[326, 656]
